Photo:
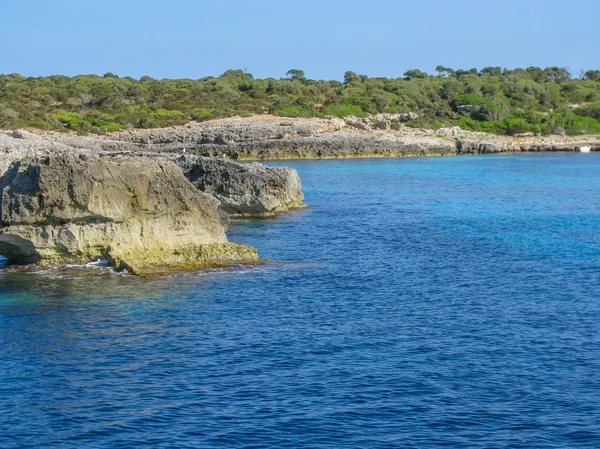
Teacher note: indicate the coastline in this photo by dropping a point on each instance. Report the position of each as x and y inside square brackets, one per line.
[266, 137]
[73, 199]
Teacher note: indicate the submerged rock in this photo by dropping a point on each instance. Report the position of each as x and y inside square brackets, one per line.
[139, 213]
[245, 189]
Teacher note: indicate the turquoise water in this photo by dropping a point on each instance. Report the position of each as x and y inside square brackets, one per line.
[422, 302]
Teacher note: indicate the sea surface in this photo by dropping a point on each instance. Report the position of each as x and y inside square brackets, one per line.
[418, 303]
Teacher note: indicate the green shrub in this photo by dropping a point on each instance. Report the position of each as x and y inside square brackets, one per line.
[514, 125]
[161, 118]
[493, 126]
[468, 124]
[421, 122]
[576, 126]
[591, 110]
[294, 111]
[111, 127]
[472, 100]
[203, 114]
[343, 110]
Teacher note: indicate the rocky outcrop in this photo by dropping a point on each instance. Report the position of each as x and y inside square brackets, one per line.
[22, 134]
[139, 213]
[483, 144]
[270, 138]
[244, 189]
[20, 144]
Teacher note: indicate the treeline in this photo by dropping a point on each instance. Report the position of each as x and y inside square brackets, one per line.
[502, 101]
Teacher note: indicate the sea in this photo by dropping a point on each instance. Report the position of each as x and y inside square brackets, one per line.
[416, 303]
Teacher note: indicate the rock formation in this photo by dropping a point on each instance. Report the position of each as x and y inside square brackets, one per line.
[270, 138]
[244, 189]
[139, 213]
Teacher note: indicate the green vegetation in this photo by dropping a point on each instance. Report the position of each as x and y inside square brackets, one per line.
[343, 110]
[509, 102]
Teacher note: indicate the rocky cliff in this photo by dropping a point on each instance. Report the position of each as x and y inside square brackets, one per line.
[139, 213]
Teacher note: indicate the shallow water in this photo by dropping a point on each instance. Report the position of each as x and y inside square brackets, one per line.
[419, 302]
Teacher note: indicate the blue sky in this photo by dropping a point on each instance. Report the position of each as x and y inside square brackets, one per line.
[192, 39]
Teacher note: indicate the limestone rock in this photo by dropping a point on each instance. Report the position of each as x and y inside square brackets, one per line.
[139, 213]
[245, 189]
[382, 124]
[408, 116]
[356, 122]
[22, 134]
[265, 137]
[483, 144]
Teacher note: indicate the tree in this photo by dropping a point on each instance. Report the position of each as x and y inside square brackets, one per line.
[237, 74]
[557, 74]
[295, 75]
[593, 75]
[491, 71]
[415, 73]
[350, 76]
[458, 73]
[536, 74]
[451, 88]
[467, 101]
[444, 71]
[495, 109]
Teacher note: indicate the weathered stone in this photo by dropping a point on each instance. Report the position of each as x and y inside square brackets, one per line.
[137, 212]
[22, 134]
[267, 137]
[382, 124]
[245, 189]
[472, 145]
[357, 122]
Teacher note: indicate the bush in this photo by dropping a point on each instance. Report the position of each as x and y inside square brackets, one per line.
[203, 114]
[343, 110]
[514, 125]
[591, 110]
[422, 122]
[111, 127]
[472, 100]
[161, 118]
[468, 124]
[576, 126]
[294, 111]
[73, 121]
[493, 126]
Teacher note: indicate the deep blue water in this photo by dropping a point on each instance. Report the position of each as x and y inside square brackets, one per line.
[420, 302]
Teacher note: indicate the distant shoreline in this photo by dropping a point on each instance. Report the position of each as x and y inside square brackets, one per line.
[267, 137]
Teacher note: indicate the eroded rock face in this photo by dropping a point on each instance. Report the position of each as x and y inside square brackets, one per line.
[245, 189]
[139, 213]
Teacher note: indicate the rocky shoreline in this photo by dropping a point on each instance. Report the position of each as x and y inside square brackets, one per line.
[145, 212]
[277, 138]
[149, 200]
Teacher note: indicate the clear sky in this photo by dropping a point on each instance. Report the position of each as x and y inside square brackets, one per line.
[325, 38]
